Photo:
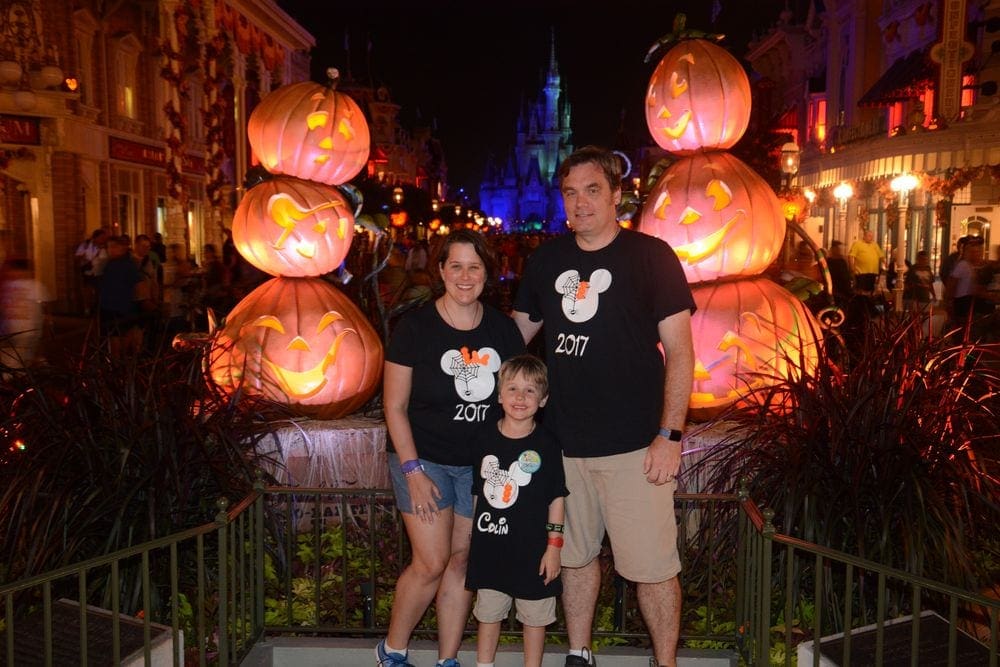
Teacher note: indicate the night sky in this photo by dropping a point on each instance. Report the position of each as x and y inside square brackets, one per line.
[467, 66]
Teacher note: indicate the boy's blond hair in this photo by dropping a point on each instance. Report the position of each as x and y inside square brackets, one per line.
[531, 367]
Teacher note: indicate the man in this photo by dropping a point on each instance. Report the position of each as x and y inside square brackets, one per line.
[865, 258]
[607, 297]
[840, 273]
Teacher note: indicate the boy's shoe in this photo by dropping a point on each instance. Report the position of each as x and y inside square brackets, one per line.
[383, 659]
[587, 660]
[449, 662]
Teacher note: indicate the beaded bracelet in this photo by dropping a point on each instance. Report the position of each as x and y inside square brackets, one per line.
[554, 527]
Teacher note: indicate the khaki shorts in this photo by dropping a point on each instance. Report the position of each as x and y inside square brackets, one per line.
[493, 606]
[610, 493]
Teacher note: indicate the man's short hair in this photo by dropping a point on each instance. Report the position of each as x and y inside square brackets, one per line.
[607, 161]
[531, 367]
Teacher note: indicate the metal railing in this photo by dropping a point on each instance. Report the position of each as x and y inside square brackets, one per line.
[295, 561]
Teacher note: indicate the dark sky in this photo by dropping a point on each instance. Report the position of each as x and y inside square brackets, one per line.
[469, 64]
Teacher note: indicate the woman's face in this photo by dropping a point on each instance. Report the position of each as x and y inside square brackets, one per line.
[463, 273]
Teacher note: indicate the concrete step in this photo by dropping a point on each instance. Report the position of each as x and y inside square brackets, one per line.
[330, 652]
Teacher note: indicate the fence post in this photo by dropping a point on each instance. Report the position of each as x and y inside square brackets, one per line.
[222, 521]
[764, 623]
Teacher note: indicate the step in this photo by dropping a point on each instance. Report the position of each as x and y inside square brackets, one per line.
[330, 652]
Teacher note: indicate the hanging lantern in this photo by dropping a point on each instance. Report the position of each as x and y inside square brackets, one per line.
[748, 334]
[301, 342]
[698, 98]
[310, 131]
[290, 227]
[718, 215]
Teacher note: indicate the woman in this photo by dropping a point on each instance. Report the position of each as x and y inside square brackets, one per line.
[439, 386]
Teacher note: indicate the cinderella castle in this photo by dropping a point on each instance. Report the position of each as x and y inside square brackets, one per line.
[524, 192]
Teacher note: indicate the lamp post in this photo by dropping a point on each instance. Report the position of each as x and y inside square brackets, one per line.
[790, 154]
[842, 193]
[902, 185]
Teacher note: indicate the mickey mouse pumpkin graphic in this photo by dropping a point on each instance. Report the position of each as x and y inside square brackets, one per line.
[296, 339]
[724, 222]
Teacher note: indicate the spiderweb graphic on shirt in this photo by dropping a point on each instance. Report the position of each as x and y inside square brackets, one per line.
[570, 290]
[464, 372]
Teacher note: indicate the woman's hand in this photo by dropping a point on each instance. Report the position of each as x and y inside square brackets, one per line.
[424, 495]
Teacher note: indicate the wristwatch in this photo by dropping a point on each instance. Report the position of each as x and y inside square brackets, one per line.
[671, 434]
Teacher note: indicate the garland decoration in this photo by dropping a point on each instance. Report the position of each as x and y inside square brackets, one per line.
[213, 114]
[178, 33]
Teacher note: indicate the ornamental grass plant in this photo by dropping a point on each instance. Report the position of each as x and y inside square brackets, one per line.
[888, 450]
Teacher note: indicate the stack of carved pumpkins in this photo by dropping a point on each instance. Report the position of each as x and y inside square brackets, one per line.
[726, 225]
[296, 339]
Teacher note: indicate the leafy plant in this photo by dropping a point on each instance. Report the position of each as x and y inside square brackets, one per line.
[100, 453]
[888, 452]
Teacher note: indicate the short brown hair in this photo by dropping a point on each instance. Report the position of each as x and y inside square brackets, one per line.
[531, 367]
[607, 161]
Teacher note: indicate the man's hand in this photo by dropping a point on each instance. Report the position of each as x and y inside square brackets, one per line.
[663, 461]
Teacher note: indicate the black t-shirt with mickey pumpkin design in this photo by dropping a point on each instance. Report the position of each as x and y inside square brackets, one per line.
[515, 481]
[455, 374]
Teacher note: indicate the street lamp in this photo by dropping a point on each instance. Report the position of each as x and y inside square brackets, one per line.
[842, 193]
[790, 154]
[902, 185]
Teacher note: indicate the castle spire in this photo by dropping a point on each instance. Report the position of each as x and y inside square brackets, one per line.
[552, 89]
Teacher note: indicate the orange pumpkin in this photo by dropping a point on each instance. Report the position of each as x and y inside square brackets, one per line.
[295, 228]
[720, 217]
[301, 342]
[747, 333]
[698, 98]
[310, 131]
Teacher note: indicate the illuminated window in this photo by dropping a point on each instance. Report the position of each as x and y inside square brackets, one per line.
[896, 117]
[817, 119]
[968, 90]
[928, 100]
[126, 78]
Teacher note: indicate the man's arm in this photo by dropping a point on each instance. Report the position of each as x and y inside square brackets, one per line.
[664, 457]
[524, 324]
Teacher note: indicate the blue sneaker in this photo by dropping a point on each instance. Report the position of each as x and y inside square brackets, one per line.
[449, 662]
[384, 659]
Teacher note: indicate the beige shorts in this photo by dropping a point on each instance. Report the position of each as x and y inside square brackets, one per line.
[493, 606]
[610, 493]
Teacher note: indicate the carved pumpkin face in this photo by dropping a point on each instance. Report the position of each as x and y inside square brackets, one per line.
[745, 332]
[718, 215]
[301, 342]
[295, 228]
[310, 131]
[698, 98]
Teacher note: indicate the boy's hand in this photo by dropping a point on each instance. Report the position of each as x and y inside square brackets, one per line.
[551, 564]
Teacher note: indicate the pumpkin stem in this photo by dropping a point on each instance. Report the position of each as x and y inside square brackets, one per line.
[333, 74]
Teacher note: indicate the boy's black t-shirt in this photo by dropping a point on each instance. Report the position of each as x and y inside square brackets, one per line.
[514, 483]
[455, 374]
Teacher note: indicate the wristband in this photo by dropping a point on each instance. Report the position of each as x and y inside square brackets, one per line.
[556, 542]
[671, 434]
[411, 466]
[554, 527]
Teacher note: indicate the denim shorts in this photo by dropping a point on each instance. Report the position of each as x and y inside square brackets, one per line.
[453, 482]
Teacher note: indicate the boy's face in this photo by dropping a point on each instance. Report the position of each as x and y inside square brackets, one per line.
[520, 397]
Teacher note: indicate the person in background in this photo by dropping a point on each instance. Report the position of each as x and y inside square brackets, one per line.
[119, 310]
[90, 256]
[840, 273]
[918, 284]
[865, 258]
[953, 258]
[518, 522]
[608, 299]
[439, 388]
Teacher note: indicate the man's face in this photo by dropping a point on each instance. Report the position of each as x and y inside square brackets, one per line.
[589, 200]
[869, 237]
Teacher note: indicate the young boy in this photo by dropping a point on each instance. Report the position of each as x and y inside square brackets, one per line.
[517, 523]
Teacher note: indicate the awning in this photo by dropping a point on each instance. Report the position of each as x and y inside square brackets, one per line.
[907, 78]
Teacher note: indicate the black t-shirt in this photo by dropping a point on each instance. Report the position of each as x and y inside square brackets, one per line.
[454, 378]
[600, 311]
[515, 482]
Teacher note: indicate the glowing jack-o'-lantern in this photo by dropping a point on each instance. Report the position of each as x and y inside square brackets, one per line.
[301, 342]
[290, 227]
[698, 98]
[718, 215]
[747, 334]
[310, 131]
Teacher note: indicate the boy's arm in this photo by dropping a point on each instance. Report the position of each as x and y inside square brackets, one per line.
[551, 561]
